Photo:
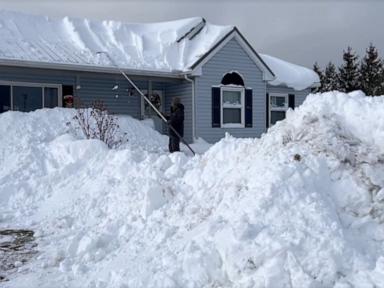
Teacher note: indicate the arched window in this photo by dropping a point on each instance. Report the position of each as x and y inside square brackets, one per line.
[232, 78]
[232, 103]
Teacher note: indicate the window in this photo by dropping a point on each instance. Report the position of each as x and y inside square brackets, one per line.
[232, 107]
[51, 97]
[278, 105]
[26, 97]
[5, 98]
[232, 78]
[232, 103]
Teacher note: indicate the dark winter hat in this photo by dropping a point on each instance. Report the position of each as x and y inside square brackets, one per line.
[175, 101]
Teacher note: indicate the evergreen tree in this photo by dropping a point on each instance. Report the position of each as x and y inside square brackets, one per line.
[371, 71]
[349, 72]
[317, 69]
[381, 92]
[331, 78]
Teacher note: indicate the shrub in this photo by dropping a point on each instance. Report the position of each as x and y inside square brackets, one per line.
[95, 122]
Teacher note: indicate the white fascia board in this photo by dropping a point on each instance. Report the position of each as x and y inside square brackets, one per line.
[198, 71]
[88, 68]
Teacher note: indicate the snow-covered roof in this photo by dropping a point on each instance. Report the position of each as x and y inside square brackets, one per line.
[150, 46]
[173, 46]
[290, 75]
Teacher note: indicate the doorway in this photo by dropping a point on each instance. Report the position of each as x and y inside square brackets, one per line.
[157, 99]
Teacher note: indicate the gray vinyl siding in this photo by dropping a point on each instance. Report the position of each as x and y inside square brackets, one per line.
[231, 57]
[299, 95]
[36, 75]
[99, 86]
[94, 86]
[183, 90]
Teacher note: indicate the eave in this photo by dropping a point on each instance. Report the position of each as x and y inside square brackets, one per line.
[90, 68]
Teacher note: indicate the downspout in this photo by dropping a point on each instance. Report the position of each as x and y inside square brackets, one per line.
[192, 81]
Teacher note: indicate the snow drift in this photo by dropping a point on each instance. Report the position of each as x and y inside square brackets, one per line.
[172, 46]
[290, 75]
[74, 41]
[300, 207]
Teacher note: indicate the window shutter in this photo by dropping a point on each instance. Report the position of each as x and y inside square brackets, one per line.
[216, 107]
[267, 111]
[248, 107]
[291, 101]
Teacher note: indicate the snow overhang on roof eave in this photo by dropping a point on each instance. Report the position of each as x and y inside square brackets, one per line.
[89, 68]
[284, 85]
[268, 75]
[315, 85]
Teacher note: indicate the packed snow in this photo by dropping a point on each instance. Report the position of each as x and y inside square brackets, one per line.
[74, 41]
[300, 207]
[290, 75]
[172, 46]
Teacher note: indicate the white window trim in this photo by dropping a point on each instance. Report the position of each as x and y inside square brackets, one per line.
[241, 106]
[39, 85]
[281, 109]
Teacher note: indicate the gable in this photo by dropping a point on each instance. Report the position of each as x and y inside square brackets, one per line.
[245, 49]
[232, 58]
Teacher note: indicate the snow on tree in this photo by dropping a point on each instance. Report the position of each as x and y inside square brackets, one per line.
[319, 72]
[331, 78]
[371, 72]
[349, 72]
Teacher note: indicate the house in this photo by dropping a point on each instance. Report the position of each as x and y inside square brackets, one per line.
[225, 85]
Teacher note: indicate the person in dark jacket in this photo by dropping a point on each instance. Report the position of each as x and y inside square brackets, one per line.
[176, 120]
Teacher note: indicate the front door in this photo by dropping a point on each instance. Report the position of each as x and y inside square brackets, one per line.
[156, 98]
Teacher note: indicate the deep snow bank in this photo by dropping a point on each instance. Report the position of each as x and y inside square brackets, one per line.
[33, 145]
[244, 214]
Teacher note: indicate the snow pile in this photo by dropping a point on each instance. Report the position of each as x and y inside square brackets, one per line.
[37, 143]
[172, 46]
[152, 46]
[290, 75]
[300, 207]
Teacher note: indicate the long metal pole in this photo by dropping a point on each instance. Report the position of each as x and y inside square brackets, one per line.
[147, 100]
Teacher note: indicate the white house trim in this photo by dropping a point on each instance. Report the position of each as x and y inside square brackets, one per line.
[88, 68]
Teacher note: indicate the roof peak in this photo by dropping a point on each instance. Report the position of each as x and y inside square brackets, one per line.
[157, 46]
